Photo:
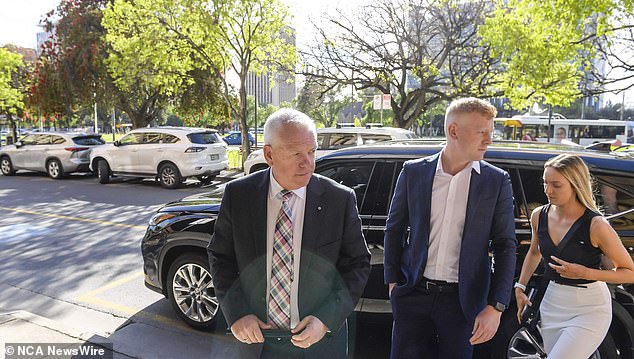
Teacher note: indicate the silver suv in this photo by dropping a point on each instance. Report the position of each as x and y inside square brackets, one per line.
[169, 154]
[330, 139]
[56, 153]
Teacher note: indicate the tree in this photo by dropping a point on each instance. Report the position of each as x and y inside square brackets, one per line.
[11, 96]
[547, 46]
[421, 52]
[160, 41]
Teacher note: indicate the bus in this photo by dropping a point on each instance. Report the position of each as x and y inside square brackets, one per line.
[582, 132]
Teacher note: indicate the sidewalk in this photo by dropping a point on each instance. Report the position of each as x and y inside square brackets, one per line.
[33, 330]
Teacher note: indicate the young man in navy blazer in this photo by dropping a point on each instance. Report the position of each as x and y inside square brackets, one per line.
[329, 264]
[449, 211]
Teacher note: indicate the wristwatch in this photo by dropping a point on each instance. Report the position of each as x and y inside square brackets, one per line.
[498, 306]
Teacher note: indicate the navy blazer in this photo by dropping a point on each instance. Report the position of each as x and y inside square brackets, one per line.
[489, 227]
[334, 262]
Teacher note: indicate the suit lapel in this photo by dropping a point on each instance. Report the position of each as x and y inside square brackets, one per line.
[475, 191]
[314, 211]
[258, 211]
[426, 185]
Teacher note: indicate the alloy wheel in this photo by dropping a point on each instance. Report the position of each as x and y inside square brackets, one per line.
[168, 176]
[53, 169]
[194, 293]
[5, 166]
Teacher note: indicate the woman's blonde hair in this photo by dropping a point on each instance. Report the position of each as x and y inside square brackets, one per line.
[575, 170]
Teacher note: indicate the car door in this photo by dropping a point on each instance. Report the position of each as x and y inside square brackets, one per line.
[35, 153]
[19, 157]
[149, 152]
[123, 158]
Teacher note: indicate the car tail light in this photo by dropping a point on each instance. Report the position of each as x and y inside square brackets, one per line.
[76, 149]
[195, 149]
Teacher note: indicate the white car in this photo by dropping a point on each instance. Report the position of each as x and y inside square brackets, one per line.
[55, 153]
[169, 154]
[331, 138]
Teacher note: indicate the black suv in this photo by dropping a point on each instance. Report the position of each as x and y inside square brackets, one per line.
[176, 265]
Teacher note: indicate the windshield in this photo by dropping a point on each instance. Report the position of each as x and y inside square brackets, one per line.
[204, 138]
[88, 140]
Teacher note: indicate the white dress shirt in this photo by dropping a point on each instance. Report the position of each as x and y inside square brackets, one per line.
[297, 204]
[448, 210]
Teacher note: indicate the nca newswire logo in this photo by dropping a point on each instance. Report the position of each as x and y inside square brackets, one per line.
[58, 350]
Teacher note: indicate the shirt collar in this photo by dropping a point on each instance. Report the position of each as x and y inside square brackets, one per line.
[275, 188]
[474, 164]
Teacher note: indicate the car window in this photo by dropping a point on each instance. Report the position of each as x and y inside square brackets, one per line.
[351, 174]
[152, 137]
[379, 194]
[88, 140]
[29, 140]
[167, 138]
[373, 138]
[320, 141]
[132, 139]
[615, 196]
[57, 140]
[342, 140]
[42, 140]
[205, 138]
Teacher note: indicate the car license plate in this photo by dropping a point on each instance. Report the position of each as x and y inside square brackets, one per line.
[214, 157]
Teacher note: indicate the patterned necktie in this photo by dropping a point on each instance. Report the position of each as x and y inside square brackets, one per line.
[282, 266]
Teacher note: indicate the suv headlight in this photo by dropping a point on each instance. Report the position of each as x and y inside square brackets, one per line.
[161, 217]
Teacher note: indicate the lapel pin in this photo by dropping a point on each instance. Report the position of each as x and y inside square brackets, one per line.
[319, 208]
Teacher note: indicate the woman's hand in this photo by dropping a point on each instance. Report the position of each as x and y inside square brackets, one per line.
[522, 301]
[569, 270]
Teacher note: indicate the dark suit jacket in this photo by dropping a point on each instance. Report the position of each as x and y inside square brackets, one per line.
[489, 226]
[334, 263]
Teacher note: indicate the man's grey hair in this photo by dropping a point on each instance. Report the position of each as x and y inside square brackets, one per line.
[283, 117]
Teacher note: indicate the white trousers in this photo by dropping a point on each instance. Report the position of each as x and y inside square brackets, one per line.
[575, 320]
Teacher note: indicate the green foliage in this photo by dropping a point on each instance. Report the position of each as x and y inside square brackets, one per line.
[11, 98]
[162, 44]
[545, 46]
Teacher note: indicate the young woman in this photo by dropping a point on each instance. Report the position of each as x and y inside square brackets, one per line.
[571, 235]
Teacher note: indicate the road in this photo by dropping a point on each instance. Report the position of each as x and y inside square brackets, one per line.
[70, 252]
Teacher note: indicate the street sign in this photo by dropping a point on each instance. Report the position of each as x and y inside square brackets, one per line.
[382, 102]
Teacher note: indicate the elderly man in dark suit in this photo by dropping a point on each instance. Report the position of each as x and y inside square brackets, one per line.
[449, 211]
[288, 252]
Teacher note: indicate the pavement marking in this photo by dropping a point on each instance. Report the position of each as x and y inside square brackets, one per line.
[108, 223]
[116, 283]
[91, 298]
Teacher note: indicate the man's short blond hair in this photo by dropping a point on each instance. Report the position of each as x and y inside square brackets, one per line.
[469, 105]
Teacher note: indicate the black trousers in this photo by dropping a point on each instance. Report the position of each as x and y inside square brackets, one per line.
[429, 324]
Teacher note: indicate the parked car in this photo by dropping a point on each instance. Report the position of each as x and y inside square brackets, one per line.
[169, 154]
[234, 138]
[176, 264]
[54, 153]
[330, 139]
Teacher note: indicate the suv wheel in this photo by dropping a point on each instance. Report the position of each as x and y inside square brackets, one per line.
[54, 169]
[103, 171]
[6, 166]
[169, 176]
[190, 291]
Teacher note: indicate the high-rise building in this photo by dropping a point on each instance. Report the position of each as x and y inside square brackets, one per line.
[283, 88]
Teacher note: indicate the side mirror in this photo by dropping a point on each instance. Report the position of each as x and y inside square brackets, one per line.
[19, 144]
[116, 143]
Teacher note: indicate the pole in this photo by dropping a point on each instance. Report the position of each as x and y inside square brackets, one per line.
[114, 125]
[255, 111]
[623, 107]
[550, 117]
[381, 108]
[96, 125]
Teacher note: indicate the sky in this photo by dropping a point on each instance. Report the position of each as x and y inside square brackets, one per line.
[19, 21]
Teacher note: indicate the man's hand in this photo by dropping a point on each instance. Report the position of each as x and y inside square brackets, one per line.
[308, 332]
[248, 329]
[392, 285]
[486, 324]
